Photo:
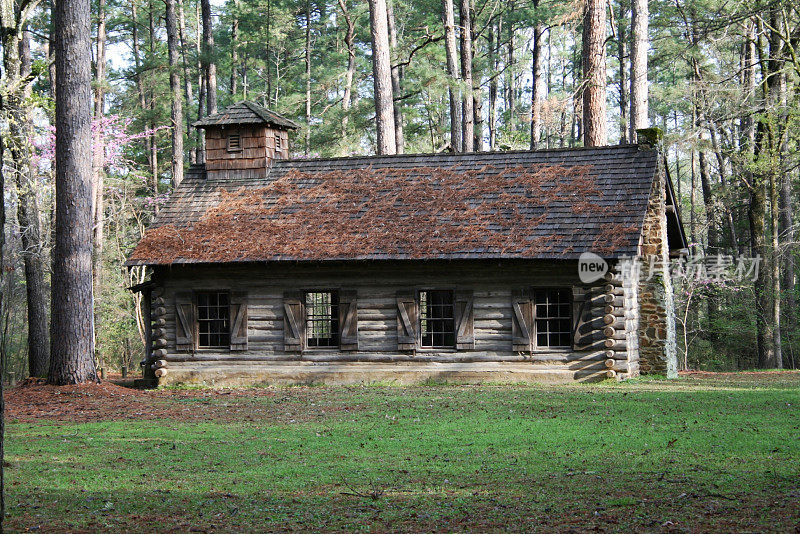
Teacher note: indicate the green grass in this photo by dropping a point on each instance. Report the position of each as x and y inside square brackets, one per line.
[692, 454]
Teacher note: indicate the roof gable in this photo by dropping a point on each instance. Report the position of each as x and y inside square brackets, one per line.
[545, 204]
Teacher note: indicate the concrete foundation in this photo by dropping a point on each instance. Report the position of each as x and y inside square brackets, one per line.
[308, 373]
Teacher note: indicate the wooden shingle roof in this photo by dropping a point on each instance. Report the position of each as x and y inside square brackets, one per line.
[245, 112]
[543, 204]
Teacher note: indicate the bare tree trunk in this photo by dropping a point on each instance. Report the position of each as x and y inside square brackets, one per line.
[150, 142]
[235, 48]
[708, 202]
[137, 61]
[20, 134]
[594, 74]
[767, 148]
[209, 65]
[99, 111]
[100, 68]
[187, 80]
[72, 328]
[397, 78]
[641, 43]
[307, 58]
[775, 277]
[537, 91]
[349, 40]
[622, 58]
[493, 62]
[576, 130]
[748, 125]
[202, 110]
[268, 24]
[50, 51]
[789, 277]
[477, 94]
[98, 156]
[382, 78]
[467, 104]
[176, 114]
[786, 231]
[152, 99]
[692, 197]
[452, 73]
[15, 104]
[726, 211]
[8, 35]
[509, 86]
[756, 214]
[245, 86]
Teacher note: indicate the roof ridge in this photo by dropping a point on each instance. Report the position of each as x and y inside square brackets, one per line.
[567, 150]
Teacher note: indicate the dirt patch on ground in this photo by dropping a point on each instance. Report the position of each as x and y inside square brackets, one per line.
[744, 379]
[739, 374]
[35, 400]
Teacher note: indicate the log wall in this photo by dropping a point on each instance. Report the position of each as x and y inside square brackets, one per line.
[602, 351]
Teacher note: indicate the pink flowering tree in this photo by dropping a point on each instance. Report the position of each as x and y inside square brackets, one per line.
[111, 143]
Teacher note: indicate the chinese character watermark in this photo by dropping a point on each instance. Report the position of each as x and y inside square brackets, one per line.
[716, 268]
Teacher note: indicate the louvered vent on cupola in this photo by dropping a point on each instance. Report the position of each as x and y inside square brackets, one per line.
[243, 140]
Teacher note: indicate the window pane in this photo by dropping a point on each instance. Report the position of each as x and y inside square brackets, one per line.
[322, 319]
[553, 317]
[436, 319]
[213, 320]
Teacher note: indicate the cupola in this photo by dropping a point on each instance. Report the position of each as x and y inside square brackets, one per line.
[244, 139]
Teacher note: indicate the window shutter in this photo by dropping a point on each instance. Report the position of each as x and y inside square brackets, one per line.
[406, 320]
[293, 321]
[234, 142]
[348, 320]
[521, 321]
[464, 319]
[184, 322]
[239, 320]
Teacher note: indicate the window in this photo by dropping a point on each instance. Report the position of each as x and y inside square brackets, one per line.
[553, 316]
[322, 319]
[213, 320]
[437, 328]
[234, 142]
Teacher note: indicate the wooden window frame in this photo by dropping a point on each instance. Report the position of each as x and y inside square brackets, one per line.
[333, 320]
[197, 320]
[451, 319]
[238, 136]
[570, 318]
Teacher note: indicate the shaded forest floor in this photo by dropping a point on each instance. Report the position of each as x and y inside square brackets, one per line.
[707, 452]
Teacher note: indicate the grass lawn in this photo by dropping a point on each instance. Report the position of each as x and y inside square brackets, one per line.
[705, 452]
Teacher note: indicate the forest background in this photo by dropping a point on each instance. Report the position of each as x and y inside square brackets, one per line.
[723, 86]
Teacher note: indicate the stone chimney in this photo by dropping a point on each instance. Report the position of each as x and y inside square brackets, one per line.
[243, 140]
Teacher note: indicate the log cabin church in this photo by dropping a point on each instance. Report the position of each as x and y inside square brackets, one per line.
[406, 268]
